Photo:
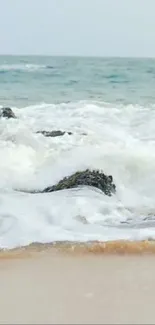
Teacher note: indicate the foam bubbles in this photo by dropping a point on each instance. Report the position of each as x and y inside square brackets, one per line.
[117, 140]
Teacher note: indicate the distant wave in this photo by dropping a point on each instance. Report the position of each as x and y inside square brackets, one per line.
[23, 67]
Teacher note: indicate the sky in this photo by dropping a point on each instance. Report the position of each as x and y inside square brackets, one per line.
[78, 27]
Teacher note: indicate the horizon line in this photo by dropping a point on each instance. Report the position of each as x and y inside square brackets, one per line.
[81, 56]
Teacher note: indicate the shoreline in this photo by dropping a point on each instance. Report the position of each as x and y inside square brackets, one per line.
[119, 247]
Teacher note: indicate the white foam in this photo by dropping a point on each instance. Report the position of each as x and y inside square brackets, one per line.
[21, 67]
[119, 140]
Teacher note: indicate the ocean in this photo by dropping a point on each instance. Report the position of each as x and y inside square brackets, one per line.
[109, 106]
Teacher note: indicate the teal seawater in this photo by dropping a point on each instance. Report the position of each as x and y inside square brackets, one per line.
[28, 80]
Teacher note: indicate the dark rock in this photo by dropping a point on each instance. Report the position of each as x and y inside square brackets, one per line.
[7, 112]
[85, 178]
[53, 133]
[49, 67]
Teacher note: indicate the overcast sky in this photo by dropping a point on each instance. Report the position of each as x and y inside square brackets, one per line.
[78, 27]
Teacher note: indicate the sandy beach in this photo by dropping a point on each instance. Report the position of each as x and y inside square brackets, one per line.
[54, 286]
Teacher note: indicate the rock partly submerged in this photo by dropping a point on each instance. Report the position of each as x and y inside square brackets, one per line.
[54, 133]
[94, 178]
[7, 112]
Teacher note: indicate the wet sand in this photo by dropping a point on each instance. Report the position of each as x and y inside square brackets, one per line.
[44, 286]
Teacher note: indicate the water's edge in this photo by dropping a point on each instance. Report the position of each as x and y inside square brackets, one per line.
[75, 248]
